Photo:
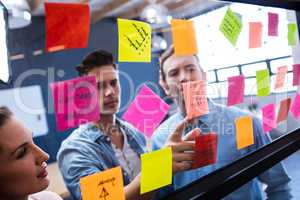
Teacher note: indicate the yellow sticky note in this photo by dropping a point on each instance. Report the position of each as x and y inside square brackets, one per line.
[106, 185]
[184, 37]
[134, 41]
[156, 169]
[244, 132]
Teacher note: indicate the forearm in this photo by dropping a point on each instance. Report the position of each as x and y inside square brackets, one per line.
[132, 191]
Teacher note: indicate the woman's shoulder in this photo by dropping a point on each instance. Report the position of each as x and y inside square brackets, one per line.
[45, 195]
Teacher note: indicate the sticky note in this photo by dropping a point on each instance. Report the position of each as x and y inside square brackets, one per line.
[146, 111]
[244, 132]
[236, 87]
[255, 34]
[134, 41]
[156, 169]
[195, 98]
[231, 26]
[67, 26]
[273, 24]
[106, 185]
[205, 150]
[184, 37]
[263, 82]
[296, 74]
[283, 110]
[269, 120]
[295, 108]
[76, 101]
[292, 30]
[280, 78]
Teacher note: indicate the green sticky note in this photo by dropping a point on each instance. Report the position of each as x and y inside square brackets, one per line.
[292, 29]
[231, 26]
[134, 41]
[156, 169]
[263, 82]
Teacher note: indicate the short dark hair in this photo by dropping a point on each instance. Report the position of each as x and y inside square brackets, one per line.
[164, 56]
[5, 114]
[95, 59]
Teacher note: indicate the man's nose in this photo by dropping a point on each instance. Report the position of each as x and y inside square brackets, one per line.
[183, 77]
[109, 90]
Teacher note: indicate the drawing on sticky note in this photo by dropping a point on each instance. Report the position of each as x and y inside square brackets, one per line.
[103, 194]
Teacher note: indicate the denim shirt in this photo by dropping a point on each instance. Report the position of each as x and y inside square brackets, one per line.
[221, 120]
[87, 151]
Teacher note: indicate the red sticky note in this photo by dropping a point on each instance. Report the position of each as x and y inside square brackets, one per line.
[205, 150]
[296, 74]
[295, 108]
[236, 86]
[283, 110]
[255, 34]
[269, 120]
[67, 25]
[76, 101]
[146, 111]
[280, 78]
[272, 24]
[195, 98]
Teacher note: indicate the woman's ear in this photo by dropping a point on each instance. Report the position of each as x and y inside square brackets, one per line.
[165, 86]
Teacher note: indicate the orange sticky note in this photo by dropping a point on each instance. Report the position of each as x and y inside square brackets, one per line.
[280, 78]
[67, 26]
[244, 132]
[184, 37]
[255, 34]
[106, 185]
[195, 98]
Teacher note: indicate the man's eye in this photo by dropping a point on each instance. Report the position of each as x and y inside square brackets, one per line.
[113, 83]
[21, 152]
[173, 73]
[99, 85]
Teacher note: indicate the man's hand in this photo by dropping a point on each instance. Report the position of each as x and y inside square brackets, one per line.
[182, 149]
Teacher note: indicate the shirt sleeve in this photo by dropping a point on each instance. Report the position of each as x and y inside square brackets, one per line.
[275, 178]
[74, 163]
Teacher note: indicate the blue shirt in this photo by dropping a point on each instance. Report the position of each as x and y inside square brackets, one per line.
[221, 120]
[87, 151]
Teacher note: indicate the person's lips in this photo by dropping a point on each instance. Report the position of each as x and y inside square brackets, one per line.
[111, 102]
[43, 172]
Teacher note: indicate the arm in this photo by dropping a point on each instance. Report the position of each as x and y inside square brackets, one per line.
[275, 178]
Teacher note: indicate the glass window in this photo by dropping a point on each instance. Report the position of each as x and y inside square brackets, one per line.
[223, 74]
[250, 70]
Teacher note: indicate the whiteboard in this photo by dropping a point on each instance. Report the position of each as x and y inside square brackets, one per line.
[27, 105]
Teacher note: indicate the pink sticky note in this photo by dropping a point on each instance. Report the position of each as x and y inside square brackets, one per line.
[146, 111]
[280, 78]
[269, 117]
[76, 101]
[195, 98]
[255, 34]
[296, 74]
[273, 24]
[236, 86]
[295, 108]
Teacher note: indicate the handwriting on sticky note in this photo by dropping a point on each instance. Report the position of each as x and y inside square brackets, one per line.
[76, 102]
[296, 74]
[205, 150]
[269, 120]
[146, 111]
[283, 110]
[154, 166]
[273, 24]
[292, 30]
[244, 132]
[231, 26]
[295, 108]
[236, 87]
[255, 34]
[134, 41]
[195, 98]
[184, 37]
[263, 82]
[280, 78]
[106, 185]
[67, 25]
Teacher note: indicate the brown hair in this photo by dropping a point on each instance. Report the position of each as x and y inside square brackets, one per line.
[5, 114]
[95, 59]
[164, 56]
